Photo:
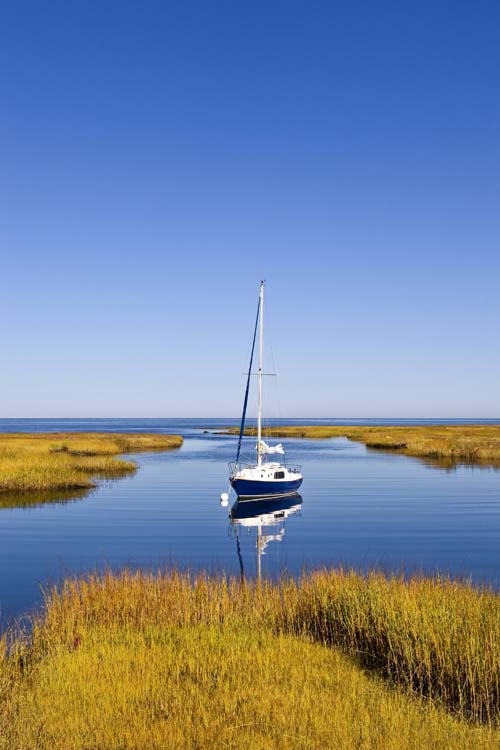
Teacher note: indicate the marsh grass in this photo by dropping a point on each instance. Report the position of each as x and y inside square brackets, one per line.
[37, 462]
[450, 444]
[437, 638]
[336, 660]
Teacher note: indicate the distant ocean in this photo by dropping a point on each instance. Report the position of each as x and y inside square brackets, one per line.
[180, 424]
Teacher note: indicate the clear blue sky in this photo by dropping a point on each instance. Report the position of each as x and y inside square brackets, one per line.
[157, 159]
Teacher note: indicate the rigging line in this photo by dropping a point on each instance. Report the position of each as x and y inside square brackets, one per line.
[278, 392]
[245, 402]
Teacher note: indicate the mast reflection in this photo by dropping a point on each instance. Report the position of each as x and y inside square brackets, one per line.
[268, 517]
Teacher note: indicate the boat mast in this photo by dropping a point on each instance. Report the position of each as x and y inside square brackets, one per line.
[261, 340]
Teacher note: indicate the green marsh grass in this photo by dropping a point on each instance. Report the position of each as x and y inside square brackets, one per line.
[335, 660]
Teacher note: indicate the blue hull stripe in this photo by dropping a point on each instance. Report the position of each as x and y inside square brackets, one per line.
[255, 488]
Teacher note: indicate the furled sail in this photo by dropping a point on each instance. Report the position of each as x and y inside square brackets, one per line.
[265, 448]
[245, 402]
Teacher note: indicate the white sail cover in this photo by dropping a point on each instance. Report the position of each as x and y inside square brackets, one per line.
[265, 448]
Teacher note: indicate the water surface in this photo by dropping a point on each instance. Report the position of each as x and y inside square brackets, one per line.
[357, 507]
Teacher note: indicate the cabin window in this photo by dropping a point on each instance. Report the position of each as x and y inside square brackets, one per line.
[279, 474]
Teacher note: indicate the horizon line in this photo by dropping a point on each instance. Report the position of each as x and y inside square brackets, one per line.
[274, 419]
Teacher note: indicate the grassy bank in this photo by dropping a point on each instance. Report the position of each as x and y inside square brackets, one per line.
[450, 444]
[336, 661]
[37, 462]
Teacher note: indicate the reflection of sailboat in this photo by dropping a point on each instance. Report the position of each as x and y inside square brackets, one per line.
[268, 517]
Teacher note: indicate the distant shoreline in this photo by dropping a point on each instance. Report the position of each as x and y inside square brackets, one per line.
[477, 443]
[222, 420]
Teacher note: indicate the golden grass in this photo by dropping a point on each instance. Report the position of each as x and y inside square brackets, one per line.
[437, 638]
[68, 460]
[451, 444]
[160, 661]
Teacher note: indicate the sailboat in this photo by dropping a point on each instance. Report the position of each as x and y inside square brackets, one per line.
[266, 477]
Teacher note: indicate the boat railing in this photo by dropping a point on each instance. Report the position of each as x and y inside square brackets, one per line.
[234, 467]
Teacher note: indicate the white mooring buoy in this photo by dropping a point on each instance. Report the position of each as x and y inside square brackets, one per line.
[224, 498]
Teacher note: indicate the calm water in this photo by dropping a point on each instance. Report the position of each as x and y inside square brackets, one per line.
[357, 507]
